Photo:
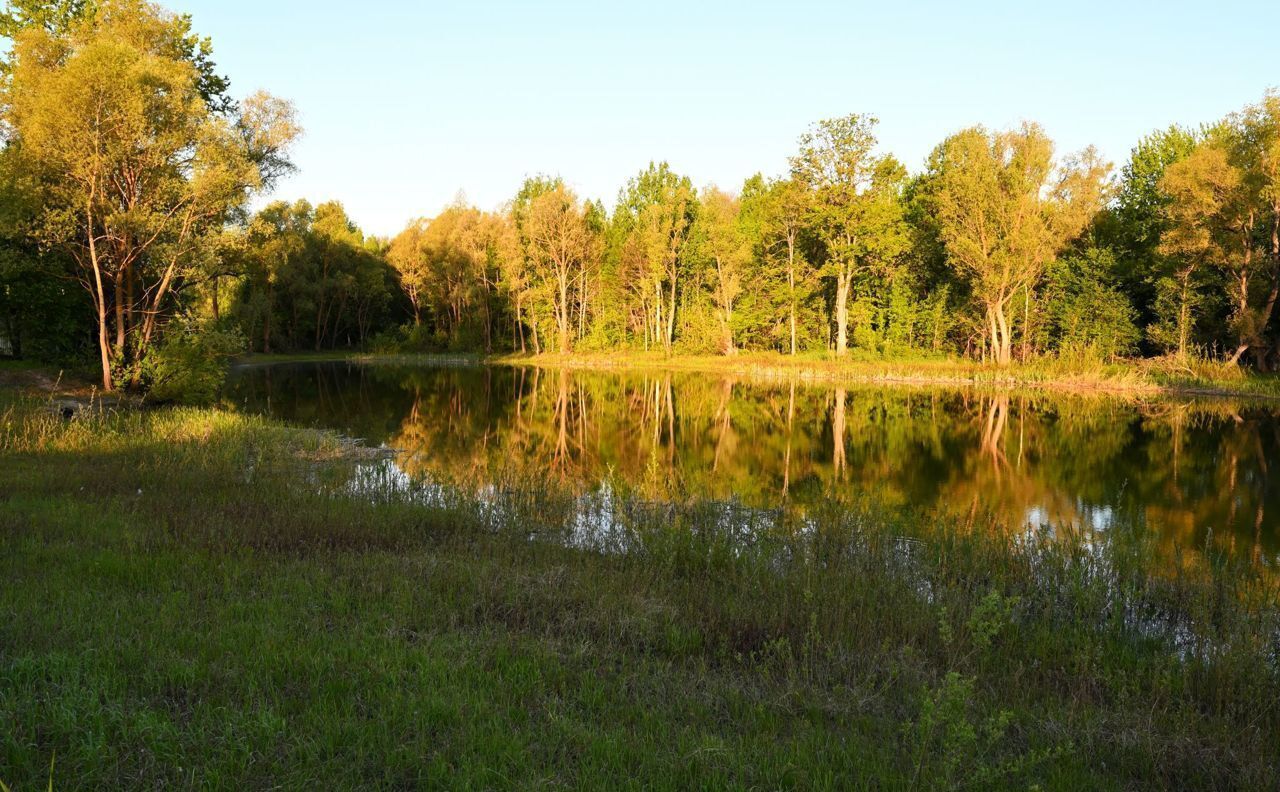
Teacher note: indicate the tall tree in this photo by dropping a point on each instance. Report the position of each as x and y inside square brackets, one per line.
[1134, 226]
[562, 246]
[1004, 208]
[655, 213]
[407, 256]
[136, 168]
[785, 216]
[850, 212]
[1210, 223]
[726, 248]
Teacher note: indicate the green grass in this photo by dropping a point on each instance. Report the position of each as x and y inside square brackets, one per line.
[194, 598]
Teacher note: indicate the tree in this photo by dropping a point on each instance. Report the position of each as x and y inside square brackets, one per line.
[726, 248]
[275, 238]
[135, 167]
[407, 256]
[1087, 312]
[1258, 148]
[1134, 226]
[562, 245]
[855, 211]
[655, 213]
[1004, 209]
[1209, 223]
[1223, 210]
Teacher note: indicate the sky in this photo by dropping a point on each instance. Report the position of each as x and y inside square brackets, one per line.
[405, 105]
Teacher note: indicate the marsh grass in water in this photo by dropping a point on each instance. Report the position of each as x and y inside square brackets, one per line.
[199, 597]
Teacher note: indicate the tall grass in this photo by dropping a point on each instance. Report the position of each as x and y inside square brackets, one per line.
[203, 597]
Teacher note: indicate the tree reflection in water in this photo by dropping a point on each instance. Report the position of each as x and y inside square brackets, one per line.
[1193, 471]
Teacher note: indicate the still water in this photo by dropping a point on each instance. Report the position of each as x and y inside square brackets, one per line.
[1195, 472]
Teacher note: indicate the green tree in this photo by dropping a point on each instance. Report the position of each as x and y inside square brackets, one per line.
[1088, 313]
[854, 210]
[562, 247]
[651, 226]
[408, 257]
[785, 216]
[1135, 225]
[135, 168]
[1004, 209]
[723, 244]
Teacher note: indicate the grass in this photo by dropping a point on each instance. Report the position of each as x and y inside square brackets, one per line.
[1192, 376]
[1141, 375]
[198, 598]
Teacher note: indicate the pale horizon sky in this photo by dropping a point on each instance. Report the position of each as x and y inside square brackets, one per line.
[405, 104]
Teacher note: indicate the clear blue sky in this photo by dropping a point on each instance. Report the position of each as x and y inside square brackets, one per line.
[407, 103]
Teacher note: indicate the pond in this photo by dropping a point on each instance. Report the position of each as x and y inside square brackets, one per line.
[1195, 472]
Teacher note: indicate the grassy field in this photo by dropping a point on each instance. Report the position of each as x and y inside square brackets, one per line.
[196, 598]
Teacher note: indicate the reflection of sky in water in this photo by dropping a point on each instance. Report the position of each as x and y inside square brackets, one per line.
[1186, 470]
[1090, 516]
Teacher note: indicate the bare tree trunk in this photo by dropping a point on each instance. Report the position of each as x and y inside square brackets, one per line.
[1006, 337]
[671, 314]
[843, 281]
[1026, 324]
[791, 289]
[520, 321]
[266, 322]
[100, 300]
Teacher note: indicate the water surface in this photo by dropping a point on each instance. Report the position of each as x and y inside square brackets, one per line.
[1195, 472]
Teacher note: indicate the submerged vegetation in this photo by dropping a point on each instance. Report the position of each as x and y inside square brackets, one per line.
[219, 603]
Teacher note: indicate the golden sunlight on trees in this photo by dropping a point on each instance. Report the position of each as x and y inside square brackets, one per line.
[855, 213]
[135, 168]
[1004, 209]
[127, 168]
[561, 246]
[1224, 211]
[727, 249]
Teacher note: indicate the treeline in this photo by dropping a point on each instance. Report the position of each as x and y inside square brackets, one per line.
[999, 249]
[127, 171]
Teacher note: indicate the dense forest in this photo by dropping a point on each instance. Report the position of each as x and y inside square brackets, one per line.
[127, 238]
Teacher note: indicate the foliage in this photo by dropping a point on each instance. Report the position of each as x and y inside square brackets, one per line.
[998, 251]
[134, 161]
[190, 362]
[1087, 311]
[1005, 209]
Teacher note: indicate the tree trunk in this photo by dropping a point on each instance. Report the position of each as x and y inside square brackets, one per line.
[1004, 355]
[119, 308]
[791, 289]
[100, 298]
[671, 315]
[842, 312]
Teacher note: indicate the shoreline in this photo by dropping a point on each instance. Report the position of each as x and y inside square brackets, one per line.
[1119, 379]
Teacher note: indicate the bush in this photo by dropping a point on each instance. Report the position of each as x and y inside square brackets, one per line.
[190, 362]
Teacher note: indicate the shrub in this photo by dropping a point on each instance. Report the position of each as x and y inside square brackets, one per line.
[190, 362]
